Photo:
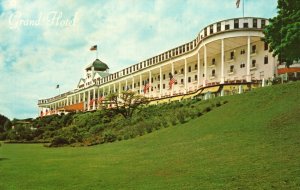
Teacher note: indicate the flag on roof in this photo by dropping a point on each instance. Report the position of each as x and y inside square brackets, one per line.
[93, 48]
[237, 3]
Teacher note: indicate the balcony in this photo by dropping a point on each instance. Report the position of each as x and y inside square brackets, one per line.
[212, 65]
[231, 59]
[253, 53]
[253, 67]
[212, 77]
[231, 72]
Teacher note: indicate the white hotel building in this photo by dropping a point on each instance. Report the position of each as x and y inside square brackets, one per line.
[225, 56]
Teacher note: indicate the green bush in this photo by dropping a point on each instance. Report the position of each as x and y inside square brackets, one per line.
[59, 141]
[96, 129]
[109, 136]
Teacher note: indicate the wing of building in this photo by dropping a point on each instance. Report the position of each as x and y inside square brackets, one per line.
[224, 54]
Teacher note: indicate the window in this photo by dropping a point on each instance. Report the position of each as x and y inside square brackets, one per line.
[164, 86]
[231, 68]
[183, 49]
[189, 79]
[205, 32]
[236, 23]
[196, 77]
[263, 23]
[253, 49]
[182, 81]
[254, 23]
[187, 47]
[190, 68]
[213, 72]
[266, 47]
[196, 66]
[245, 24]
[242, 65]
[211, 29]
[232, 55]
[266, 59]
[181, 71]
[227, 27]
[138, 83]
[152, 80]
[218, 27]
[213, 61]
[203, 75]
[243, 51]
[175, 72]
[253, 63]
[164, 76]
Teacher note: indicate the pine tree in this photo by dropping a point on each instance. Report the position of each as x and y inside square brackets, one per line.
[283, 32]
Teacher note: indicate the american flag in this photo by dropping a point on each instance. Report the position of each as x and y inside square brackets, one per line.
[93, 48]
[91, 101]
[172, 81]
[146, 87]
[100, 99]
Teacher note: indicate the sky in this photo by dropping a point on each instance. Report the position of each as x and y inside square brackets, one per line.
[46, 43]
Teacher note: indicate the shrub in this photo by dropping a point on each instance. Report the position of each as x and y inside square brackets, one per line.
[173, 121]
[225, 102]
[109, 136]
[96, 129]
[59, 141]
[207, 109]
[140, 128]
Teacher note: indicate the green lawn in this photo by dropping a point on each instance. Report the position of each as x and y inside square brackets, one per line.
[252, 142]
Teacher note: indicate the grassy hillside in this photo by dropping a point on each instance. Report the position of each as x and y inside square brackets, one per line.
[252, 142]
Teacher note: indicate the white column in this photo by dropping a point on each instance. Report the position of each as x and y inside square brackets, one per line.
[71, 103]
[150, 83]
[108, 89]
[94, 97]
[248, 76]
[119, 89]
[79, 97]
[198, 70]
[185, 76]
[140, 83]
[160, 82]
[114, 87]
[222, 62]
[205, 67]
[98, 93]
[172, 70]
[84, 105]
[89, 99]
[126, 85]
[133, 84]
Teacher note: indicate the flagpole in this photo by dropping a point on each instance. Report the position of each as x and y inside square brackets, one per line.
[97, 52]
[243, 8]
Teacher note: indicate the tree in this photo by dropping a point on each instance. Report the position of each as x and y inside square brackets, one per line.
[126, 104]
[4, 122]
[283, 32]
